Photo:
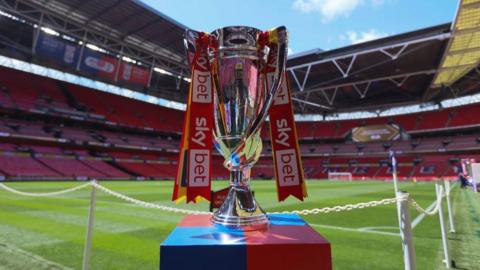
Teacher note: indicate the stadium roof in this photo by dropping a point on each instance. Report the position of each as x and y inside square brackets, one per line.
[378, 74]
[372, 76]
[463, 52]
[123, 26]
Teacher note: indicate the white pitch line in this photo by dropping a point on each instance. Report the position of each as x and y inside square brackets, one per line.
[359, 230]
[420, 217]
[373, 229]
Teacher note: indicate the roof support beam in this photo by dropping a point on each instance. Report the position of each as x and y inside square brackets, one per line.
[394, 56]
[302, 85]
[101, 12]
[399, 83]
[346, 72]
[304, 102]
[362, 93]
[393, 77]
[441, 36]
[331, 99]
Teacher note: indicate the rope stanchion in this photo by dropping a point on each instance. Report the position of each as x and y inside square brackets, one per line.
[449, 206]
[88, 237]
[439, 188]
[406, 231]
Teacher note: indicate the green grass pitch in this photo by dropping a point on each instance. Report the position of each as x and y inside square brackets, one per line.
[49, 233]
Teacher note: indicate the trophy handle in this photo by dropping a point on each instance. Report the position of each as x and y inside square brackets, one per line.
[189, 41]
[279, 37]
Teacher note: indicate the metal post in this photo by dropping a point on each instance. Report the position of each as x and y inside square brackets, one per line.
[406, 231]
[36, 34]
[82, 49]
[150, 75]
[438, 187]
[119, 63]
[449, 206]
[88, 239]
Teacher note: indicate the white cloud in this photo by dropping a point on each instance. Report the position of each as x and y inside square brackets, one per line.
[331, 9]
[355, 37]
[289, 51]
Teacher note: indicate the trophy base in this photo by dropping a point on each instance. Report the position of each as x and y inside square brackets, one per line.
[240, 209]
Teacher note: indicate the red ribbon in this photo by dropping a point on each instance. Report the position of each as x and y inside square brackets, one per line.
[195, 162]
[286, 151]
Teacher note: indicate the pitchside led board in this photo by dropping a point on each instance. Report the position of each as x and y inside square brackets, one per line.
[67, 53]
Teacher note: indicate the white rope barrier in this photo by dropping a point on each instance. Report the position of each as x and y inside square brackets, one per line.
[339, 208]
[434, 211]
[146, 204]
[45, 194]
[314, 211]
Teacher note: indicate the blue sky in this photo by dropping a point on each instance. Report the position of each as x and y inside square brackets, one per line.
[325, 24]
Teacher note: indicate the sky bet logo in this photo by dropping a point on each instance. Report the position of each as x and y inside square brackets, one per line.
[287, 168]
[202, 83]
[199, 167]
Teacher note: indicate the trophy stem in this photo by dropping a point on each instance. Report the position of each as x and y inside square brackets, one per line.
[240, 208]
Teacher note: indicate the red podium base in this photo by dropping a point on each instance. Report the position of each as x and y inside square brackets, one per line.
[287, 243]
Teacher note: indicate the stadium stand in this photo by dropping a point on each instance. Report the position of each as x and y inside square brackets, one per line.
[84, 153]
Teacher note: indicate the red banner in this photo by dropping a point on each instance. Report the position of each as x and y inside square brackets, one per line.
[195, 160]
[133, 74]
[286, 152]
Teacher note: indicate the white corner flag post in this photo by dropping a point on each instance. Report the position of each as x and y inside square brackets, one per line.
[88, 238]
[449, 206]
[438, 189]
[393, 160]
[406, 231]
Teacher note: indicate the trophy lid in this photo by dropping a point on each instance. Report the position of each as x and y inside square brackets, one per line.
[236, 38]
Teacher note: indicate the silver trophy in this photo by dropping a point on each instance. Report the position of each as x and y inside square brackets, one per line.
[239, 59]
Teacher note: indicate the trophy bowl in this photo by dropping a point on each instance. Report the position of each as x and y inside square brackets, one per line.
[246, 65]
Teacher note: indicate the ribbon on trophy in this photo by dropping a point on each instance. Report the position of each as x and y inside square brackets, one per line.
[286, 151]
[283, 133]
[193, 179]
